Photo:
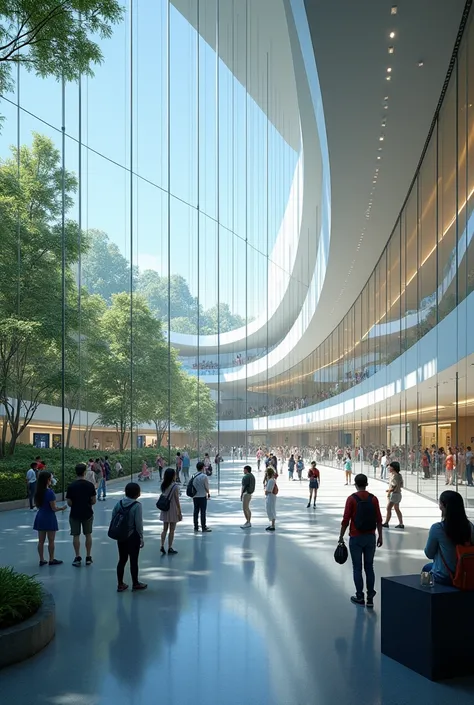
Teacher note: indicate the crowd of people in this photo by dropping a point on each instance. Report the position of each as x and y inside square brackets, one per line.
[361, 515]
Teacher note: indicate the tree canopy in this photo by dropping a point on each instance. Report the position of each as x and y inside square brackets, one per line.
[53, 37]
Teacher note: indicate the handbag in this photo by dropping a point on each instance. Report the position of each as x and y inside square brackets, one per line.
[341, 553]
[164, 500]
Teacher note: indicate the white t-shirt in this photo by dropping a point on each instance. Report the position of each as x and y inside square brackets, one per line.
[118, 466]
[31, 476]
[383, 460]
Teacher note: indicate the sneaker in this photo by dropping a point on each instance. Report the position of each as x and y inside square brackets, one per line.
[139, 586]
[314, 506]
[247, 525]
[400, 526]
[122, 587]
[370, 603]
[55, 562]
[172, 552]
[42, 563]
[270, 528]
[196, 529]
[308, 505]
[77, 562]
[206, 530]
[357, 600]
[163, 550]
[385, 525]
[89, 560]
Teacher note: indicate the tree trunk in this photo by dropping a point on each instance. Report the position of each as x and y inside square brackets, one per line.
[160, 432]
[3, 442]
[72, 418]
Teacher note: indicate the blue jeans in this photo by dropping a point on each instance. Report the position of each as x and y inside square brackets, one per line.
[469, 474]
[363, 546]
[428, 568]
[102, 489]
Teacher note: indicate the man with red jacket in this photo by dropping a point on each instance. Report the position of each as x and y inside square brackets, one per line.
[362, 515]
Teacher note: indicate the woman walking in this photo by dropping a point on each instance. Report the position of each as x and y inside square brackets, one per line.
[171, 517]
[394, 493]
[348, 468]
[375, 462]
[291, 466]
[130, 548]
[271, 491]
[300, 467]
[46, 523]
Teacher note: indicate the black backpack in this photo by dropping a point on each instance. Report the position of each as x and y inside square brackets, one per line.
[118, 529]
[365, 519]
[191, 491]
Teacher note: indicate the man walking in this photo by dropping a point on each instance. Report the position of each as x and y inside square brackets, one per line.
[362, 513]
[81, 496]
[248, 488]
[201, 485]
[31, 484]
[186, 464]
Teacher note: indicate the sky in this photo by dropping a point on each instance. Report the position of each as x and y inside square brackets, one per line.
[247, 177]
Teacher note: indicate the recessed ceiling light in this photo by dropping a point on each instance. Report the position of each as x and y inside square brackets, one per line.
[394, 10]
[421, 63]
[389, 70]
[385, 107]
[379, 157]
[388, 78]
[381, 138]
[390, 50]
[392, 35]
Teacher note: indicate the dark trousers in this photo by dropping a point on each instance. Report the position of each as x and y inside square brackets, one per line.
[31, 493]
[200, 505]
[363, 547]
[469, 474]
[128, 549]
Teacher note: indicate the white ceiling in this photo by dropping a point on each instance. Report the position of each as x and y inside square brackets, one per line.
[351, 41]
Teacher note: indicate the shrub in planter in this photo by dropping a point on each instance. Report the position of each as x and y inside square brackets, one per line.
[21, 594]
[12, 486]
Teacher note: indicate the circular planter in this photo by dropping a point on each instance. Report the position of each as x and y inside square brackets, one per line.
[27, 638]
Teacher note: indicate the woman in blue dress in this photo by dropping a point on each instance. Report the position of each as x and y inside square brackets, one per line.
[46, 523]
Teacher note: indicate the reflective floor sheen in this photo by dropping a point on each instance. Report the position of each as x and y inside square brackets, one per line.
[236, 617]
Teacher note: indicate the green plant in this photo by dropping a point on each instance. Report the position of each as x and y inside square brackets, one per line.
[22, 596]
[12, 486]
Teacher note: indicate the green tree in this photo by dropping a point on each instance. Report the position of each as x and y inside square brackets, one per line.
[105, 271]
[155, 289]
[31, 247]
[200, 413]
[219, 318]
[54, 37]
[130, 362]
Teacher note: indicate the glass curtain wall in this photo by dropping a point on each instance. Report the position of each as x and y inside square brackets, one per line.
[141, 206]
[397, 374]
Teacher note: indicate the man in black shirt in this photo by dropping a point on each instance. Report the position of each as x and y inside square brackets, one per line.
[80, 497]
[248, 488]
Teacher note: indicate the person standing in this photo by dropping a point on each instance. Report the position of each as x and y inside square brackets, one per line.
[362, 516]
[348, 468]
[130, 548]
[118, 469]
[207, 464]
[179, 465]
[40, 465]
[271, 491]
[259, 458]
[160, 463]
[31, 484]
[425, 464]
[300, 467]
[450, 464]
[375, 462]
[383, 466]
[81, 496]
[291, 466]
[314, 482]
[174, 514]
[90, 474]
[186, 465]
[46, 523]
[469, 465]
[248, 488]
[201, 485]
[394, 493]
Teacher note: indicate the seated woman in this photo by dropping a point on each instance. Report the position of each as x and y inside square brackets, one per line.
[455, 529]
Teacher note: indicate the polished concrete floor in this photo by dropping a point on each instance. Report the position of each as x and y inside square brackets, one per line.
[235, 618]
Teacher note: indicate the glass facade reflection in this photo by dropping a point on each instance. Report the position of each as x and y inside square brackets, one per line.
[165, 229]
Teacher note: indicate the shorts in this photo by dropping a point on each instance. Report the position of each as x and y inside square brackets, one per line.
[395, 497]
[313, 484]
[78, 524]
[246, 499]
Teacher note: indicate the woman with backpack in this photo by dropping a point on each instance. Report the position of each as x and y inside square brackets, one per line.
[394, 494]
[348, 468]
[455, 530]
[129, 509]
[271, 491]
[173, 515]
